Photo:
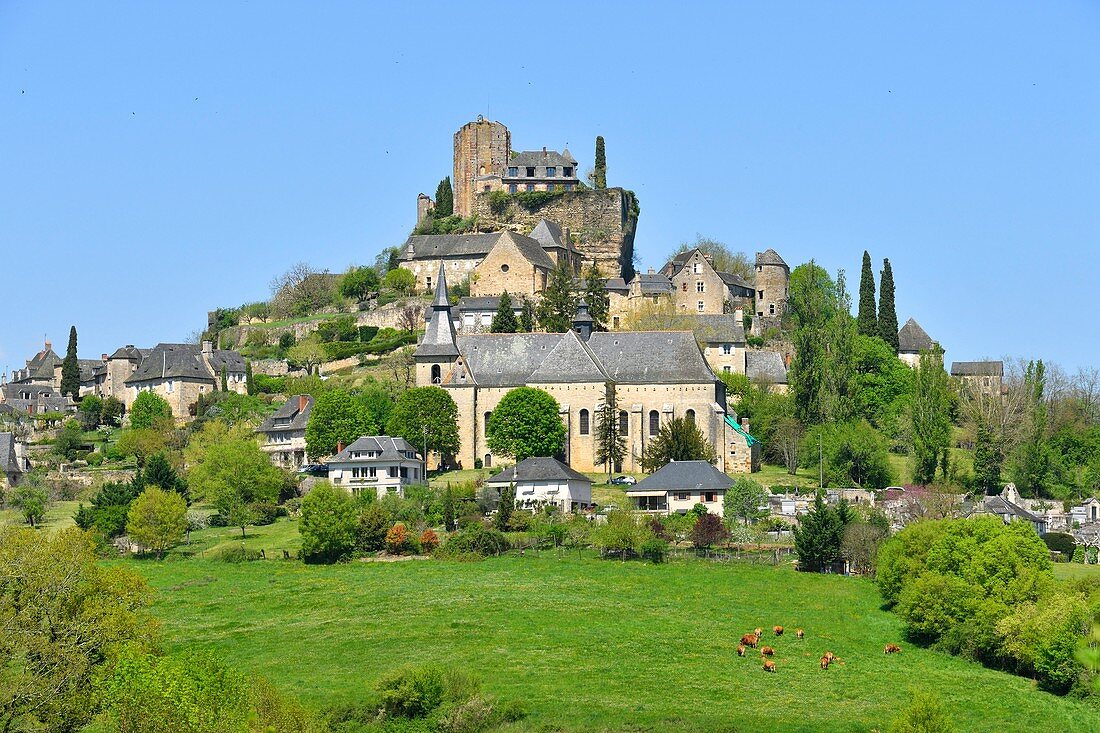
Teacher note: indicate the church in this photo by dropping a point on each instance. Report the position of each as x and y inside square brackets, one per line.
[653, 376]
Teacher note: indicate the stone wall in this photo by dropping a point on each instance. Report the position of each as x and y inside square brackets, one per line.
[602, 222]
[388, 316]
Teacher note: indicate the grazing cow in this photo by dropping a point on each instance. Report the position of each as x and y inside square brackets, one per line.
[800, 634]
[769, 665]
[758, 631]
[778, 630]
[825, 661]
[740, 650]
[830, 656]
[891, 649]
[750, 640]
[767, 651]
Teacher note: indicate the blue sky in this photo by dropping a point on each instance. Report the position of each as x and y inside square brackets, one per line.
[161, 159]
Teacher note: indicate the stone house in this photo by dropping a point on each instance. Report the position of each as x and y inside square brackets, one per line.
[516, 263]
[912, 340]
[34, 398]
[545, 481]
[376, 463]
[772, 284]
[767, 368]
[699, 288]
[744, 450]
[979, 377]
[42, 368]
[475, 314]
[13, 462]
[653, 377]
[678, 486]
[1007, 506]
[285, 432]
[722, 337]
[1087, 512]
[181, 372]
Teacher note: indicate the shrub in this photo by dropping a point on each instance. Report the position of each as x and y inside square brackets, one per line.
[269, 385]
[371, 528]
[412, 692]
[237, 554]
[429, 541]
[398, 539]
[327, 524]
[217, 520]
[264, 513]
[925, 714]
[655, 549]
[475, 539]
[335, 350]
[367, 333]
[708, 531]
[94, 459]
[1062, 543]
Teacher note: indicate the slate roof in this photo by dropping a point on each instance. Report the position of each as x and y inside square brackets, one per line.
[130, 353]
[645, 357]
[911, 337]
[770, 257]
[480, 303]
[184, 361]
[299, 418]
[723, 328]
[549, 234]
[999, 505]
[9, 461]
[765, 366]
[13, 391]
[432, 246]
[977, 369]
[523, 158]
[43, 363]
[390, 449]
[569, 358]
[439, 334]
[538, 469]
[736, 281]
[617, 284]
[89, 368]
[683, 475]
[531, 250]
[653, 283]
[509, 359]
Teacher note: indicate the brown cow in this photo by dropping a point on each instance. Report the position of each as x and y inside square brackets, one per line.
[778, 630]
[740, 650]
[767, 651]
[830, 656]
[800, 634]
[891, 649]
[750, 640]
[825, 661]
[758, 631]
[769, 665]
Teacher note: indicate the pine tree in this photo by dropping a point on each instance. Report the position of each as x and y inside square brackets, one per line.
[527, 317]
[599, 173]
[887, 316]
[70, 368]
[559, 302]
[249, 382]
[867, 320]
[595, 295]
[506, 507]
[449, 509]
[444, 198]
[817, 538]
[505, 319]
[610, 442]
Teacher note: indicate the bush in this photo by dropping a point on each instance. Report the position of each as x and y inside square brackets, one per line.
[417, 692]
[217, 520]
[264, 513]
[1062, 543]
[475, 539]
[398, 540]
[343, 349]
[429, 541]
[367, 333]
[925, 714]
[266, 384]
[94, 459]
[655, 549]
[237, 554]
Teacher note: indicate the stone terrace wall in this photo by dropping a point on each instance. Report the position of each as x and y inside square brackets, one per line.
[602, 223]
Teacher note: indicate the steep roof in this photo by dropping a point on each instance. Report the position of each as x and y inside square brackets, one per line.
[653, 283]
[523, 158]
[617, 284]
[439, 334]
[510, 359]
[977, 369]
[570, 357]
[770, 257]
[433, 246]
[389, 449]
[683, 475]
[735, 281]
[719, 328]
[531, 249]
[644, 357]
[184, 361]
[538, 469]
[765, 366]
[9, 461]
[291, 410]
[478, 303]
[130, 353]
[549, 234]
[911, 337]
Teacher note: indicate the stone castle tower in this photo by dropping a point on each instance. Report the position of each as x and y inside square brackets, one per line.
[773, 277]
[481, 149]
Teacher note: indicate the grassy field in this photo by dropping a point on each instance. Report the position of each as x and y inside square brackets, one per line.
[589, 644]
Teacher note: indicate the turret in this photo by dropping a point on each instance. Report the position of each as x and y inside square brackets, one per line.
[582, 322]
[438, 350]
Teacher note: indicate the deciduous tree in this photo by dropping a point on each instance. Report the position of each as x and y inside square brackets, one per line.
[148, 410]
[745, 501]
[526, 423]
[596, 296]
[427, 415]
[157, 519]
[336, 417]
[930, 417]
[721, 257]
[327, 524]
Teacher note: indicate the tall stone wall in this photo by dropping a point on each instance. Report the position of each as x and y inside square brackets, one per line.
[602, 222]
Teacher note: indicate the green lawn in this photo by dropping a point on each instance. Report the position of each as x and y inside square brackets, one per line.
[58, 516]
[1076, 571]
[589, 644]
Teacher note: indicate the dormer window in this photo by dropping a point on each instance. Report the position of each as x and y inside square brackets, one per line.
[567, 171]
[513, 171]
[551, 171]
[530, 171]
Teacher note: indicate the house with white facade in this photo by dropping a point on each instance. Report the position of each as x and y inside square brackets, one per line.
[542, 481]
[679, 486]
[376, 463]
[285, 432]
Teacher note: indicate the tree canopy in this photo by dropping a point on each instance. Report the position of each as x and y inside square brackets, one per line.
[558, 304]
[722, 258]
[526, 423]
[427, 414]
[504, 320]
[148, 409]
[679, 439]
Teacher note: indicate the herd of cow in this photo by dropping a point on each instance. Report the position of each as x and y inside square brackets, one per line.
[752, 640]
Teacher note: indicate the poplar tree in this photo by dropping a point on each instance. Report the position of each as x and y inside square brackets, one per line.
[887, 315]
[249, 382]
[70, 368]
[610, 442]
[559, 302]
[867, 320]
[504, 321]
[595, 295]
[599, 173]
[930, 417]
[444, 198]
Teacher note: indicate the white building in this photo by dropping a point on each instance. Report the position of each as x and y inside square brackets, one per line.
[541, 481]
[378, 463]
[679, 486]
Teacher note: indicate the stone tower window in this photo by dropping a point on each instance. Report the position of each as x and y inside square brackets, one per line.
[584, 422]
[771, 309]
[690, 416]
[487, 416]
[504, 267]
[437, 374]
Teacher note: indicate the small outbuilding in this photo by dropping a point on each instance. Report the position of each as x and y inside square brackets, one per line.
[679, 486]
[541, 481]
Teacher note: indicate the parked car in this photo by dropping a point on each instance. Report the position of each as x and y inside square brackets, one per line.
[314, 469]
[624, 481]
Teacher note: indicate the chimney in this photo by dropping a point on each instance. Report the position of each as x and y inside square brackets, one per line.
[650, 271]
[303, 401]
[207, 348]
[544, 151]
[739, 317]
[104, 357]
[48, 345]
[339, 446]
[567, 238]
[745, 424]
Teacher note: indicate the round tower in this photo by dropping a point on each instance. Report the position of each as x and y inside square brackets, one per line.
[772, 280]
[481, 149]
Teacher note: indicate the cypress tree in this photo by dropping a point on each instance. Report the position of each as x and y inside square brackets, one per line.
[595, 295]
[559, 302]
[449, 509]
[70, 368]
[867, 320]
[527, 317]
[505, 508]
[444, 198]
[887, 316]
[504, 321]
[599, 173]
[249, 383]
[225, 380]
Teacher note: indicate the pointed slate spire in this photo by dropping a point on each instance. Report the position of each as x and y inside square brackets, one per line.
[439, 336]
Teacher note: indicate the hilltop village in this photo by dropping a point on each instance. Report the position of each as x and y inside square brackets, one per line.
[507, 381]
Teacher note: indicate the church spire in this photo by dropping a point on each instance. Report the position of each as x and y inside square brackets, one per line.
[439, 336]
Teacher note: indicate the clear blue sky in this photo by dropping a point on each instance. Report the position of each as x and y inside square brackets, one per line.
[161, 159]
